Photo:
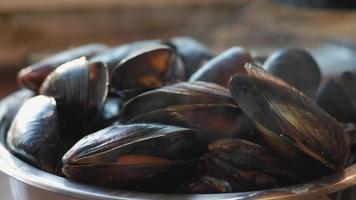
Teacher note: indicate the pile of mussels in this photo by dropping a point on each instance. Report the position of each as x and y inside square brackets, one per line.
[169, 116]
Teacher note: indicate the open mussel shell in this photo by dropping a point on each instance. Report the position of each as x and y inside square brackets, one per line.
[297, 67]
[182, 93]
[114, 55]
[34, 134]
[334, 100]
[214, 120]
[220, 68]
[149, 67]
[193, 53]
[33, 76]
[80, 89]
[129, 155]
[9, 106]
[291, 123]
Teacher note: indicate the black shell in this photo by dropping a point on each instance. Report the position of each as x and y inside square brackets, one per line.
[248, 166]
[193, 53]
[182, 93]
[149, 67]
[34, 134]
[220, 68]
[297, 67]
[333, 100]
[9, 106]
[131, 155]
[114, 55]
[33, 76]
[80, 89]
[214, 120]
[291, 123]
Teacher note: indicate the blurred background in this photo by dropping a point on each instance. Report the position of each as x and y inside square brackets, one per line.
[31, 30]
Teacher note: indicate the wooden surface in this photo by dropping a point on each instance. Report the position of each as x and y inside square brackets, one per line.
[48, 26]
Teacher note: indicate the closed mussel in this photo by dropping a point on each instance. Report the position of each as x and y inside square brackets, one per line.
[248, 166]
[334, 100]
[220, 68]
[183, 93]
[347, 83]
[214, 120]
[193, 53]
[9, 106]
[34, 134]
[297, 67]
[338, 97]
[291, 123]
[140, 156]
[33, 76]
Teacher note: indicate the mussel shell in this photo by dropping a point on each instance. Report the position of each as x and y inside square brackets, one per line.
[193, 53]
[347, 83]
[149, 177]
[182, 93]
[113, 56]
[220, 68]
[9, 106]
[136, 156]
[80, 89]
[297, 67]
[109, 144]
[333, 100]
[214, 120]
[34, 134]
[33, 76]
[240, 180]
[290, 122]
[149, 67]
[245, 155]
[205, 184]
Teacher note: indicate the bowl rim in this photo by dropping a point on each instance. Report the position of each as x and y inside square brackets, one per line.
[16, 168]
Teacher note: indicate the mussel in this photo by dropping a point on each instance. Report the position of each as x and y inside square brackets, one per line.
[193, 53]
[80, 89]
[9, 106]
[216, 121]
[33, 76]
[114, 55]
[34, 134]
[334, 101]
[150, 67]
[347, 82]
[140, 156]
[220, 68]
[248, 166]
[291, 123]
[183, 93]
[297, 67]
[127, 117]
[338, 97]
